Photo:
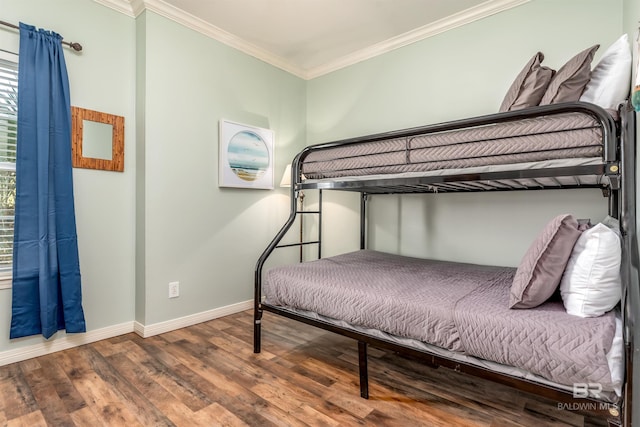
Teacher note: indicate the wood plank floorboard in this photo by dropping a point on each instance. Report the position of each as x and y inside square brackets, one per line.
[208, 375]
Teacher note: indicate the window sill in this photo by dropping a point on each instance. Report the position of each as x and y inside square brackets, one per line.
[5, 282]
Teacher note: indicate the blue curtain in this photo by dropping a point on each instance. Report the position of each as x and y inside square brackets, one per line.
[46, 272]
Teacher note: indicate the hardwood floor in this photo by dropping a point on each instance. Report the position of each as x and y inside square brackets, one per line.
[207, 375]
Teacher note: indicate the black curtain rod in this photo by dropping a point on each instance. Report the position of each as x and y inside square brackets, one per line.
[75, 46]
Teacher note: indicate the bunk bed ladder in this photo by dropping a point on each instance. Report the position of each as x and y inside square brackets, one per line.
[295, 211]
[301, 243]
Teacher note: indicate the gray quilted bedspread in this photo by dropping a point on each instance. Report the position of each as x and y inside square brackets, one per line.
[459, 307]
[571, 135]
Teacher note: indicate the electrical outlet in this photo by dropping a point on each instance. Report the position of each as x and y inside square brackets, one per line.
[174, 289]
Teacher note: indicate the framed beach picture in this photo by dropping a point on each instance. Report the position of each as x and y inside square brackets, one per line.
[246, 156]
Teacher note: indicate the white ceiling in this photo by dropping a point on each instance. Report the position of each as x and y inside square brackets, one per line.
[313, 37]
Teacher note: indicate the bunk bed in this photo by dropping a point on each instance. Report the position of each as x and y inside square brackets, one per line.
[445, 313]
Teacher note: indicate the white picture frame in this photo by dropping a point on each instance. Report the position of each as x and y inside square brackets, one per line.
[245, 156]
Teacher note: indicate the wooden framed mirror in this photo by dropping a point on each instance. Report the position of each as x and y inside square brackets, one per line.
[97, 140]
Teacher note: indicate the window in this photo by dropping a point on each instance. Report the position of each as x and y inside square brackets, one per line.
[8, 139]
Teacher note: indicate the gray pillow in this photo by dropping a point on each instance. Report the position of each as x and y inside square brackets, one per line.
[529, 86]
[541, 268]
[569, 82]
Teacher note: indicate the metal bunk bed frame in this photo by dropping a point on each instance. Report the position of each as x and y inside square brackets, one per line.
[619, 163]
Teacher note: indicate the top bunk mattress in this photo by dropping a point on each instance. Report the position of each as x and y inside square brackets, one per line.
[459, 307]
[559, 136]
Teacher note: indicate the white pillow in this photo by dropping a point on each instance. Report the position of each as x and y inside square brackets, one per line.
[591, 284]
[610, 79]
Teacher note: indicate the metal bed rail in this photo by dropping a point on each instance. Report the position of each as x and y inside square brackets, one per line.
[620, 188]
[490, 180]
[275, 244]
[600, 407]
[630, 264]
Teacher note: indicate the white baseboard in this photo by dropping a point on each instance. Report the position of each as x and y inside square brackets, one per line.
[75, 340]
[63, 343]
[192, 319]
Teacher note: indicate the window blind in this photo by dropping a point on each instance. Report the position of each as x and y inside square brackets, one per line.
[8, 141]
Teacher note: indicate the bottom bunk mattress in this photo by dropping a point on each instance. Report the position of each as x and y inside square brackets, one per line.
[463, 308]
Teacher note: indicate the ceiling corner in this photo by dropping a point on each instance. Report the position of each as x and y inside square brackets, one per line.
[193, 22]
[137, 6]
[122, 6]
[134, 7]
[464, 17]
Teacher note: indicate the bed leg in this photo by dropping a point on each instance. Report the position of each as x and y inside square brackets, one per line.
[257, 332]
[362, 364]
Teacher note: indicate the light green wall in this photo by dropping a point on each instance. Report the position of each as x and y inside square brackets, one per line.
[457, 74]
[631, 14]
[101, 78]
[207, 238]
[140, 257]
[165, 219]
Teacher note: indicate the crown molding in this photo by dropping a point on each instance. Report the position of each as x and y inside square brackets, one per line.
[122, 6]
[459, 19]
[137, 6]
[217, 33]
[134, 7]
